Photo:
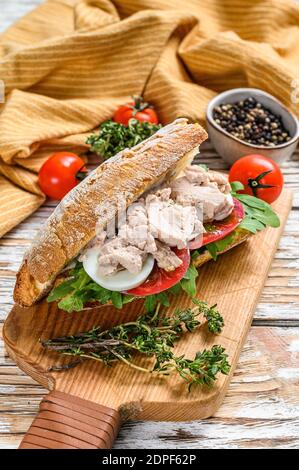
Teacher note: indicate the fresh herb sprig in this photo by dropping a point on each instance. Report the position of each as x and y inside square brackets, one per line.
[211, 314]
[114, 137]
[152, 336]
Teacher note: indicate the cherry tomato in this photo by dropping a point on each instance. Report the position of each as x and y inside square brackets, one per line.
[260, 176]
[219, 229]
[137, 109]
[160, 280]
[61, 173]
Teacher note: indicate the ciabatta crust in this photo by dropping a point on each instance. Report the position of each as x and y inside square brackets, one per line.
[95, 201]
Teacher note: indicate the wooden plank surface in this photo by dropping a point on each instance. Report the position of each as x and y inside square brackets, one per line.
[261, 407]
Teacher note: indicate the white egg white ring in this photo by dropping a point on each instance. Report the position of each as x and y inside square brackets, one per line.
[122, 280]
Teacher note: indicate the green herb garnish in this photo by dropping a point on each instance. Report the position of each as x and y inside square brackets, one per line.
[212, 315]
[188, 282]
[151, 336]
[79, 289]
[218, 246]
[258, 213]
[73, 293]
[114, 137]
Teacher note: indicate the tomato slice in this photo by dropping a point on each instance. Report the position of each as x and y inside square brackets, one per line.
[160, 280]
[219, 229]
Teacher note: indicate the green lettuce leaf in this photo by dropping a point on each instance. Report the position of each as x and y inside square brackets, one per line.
[258, 213]
[215, 248]
[79, 288]
[188, 283]
[61, 290]
[251, 224]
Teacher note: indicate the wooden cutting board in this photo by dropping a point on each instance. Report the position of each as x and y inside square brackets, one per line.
[87, 403]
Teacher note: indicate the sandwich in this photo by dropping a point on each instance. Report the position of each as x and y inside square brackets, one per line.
[139, 225]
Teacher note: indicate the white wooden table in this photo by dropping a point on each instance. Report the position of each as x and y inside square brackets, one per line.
[261, 407]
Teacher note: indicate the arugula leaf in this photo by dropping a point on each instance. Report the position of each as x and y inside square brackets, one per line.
[81, 279]
[224, 242]
[220, 245]
[195, 254]
[212, 249]
[267, 216]
[188, 283]
[176, 289]
[162, 298]
[61, 290]
[150, 303]
[99, 293]
[251, 224]
[116, 298]
[258, 212]
[236, 186]
[253, 201]
[71, 303]
[79, 288]
[128, 298]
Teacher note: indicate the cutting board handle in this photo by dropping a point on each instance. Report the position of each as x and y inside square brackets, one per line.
[68, 422]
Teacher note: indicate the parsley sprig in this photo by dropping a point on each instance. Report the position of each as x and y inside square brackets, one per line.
[151, 336]
[114, 137]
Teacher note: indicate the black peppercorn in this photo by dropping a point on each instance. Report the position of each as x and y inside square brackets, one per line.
[251, 121]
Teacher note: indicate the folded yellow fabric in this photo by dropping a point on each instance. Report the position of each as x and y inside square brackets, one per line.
[69, 63]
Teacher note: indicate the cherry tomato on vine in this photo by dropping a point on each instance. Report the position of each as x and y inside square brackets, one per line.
[260, 176]
[136, 109]
[61, 173]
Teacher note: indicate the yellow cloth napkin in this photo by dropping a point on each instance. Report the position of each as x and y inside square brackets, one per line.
[69, 63]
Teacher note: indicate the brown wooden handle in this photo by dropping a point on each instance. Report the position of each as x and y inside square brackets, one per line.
[68, 422]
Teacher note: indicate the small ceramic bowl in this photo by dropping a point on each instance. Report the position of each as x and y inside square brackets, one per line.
[231, 148]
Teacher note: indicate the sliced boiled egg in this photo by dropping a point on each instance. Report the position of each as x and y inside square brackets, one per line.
[120, 281]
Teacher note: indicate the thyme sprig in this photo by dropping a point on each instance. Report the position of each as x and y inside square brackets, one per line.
[152, 336]
[211, 314]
